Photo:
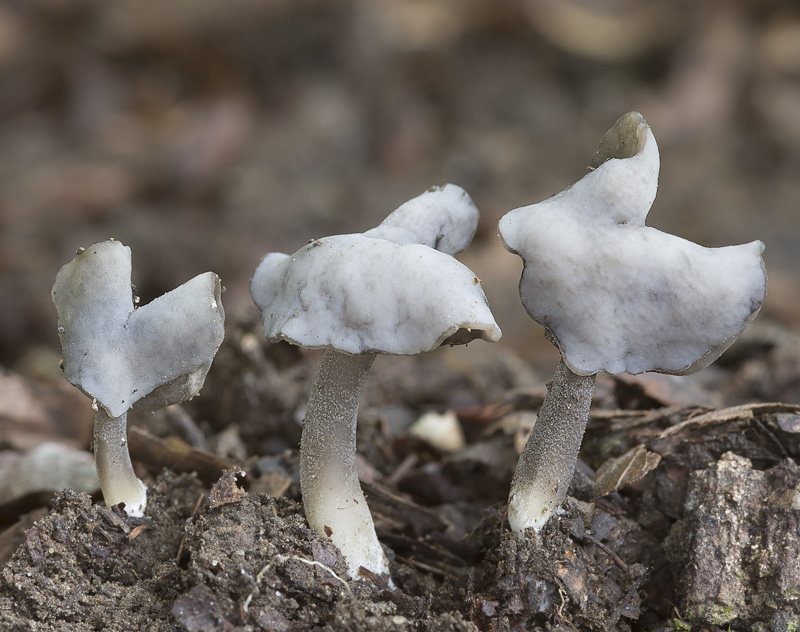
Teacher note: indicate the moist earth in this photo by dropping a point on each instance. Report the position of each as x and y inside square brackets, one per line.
[682, 515]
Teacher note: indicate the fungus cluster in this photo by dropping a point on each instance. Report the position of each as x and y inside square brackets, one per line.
[613, 295]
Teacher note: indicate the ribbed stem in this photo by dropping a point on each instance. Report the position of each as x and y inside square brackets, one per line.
[114, 469]
[548, 460]
[334, 503]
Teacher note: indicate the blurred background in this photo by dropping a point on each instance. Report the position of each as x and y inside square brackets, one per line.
[206, 133]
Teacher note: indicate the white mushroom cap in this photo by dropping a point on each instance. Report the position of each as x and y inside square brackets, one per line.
[621, 297]
[157, 355]
[356, 294]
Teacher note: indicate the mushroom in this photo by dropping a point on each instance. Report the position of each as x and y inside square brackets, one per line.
[358, 296]
[120, 355]
[615, 295]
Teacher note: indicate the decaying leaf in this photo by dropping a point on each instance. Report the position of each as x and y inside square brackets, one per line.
[225, 491]
[624, 470]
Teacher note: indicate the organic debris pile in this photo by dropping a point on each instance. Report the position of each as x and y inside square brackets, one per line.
[683, 511]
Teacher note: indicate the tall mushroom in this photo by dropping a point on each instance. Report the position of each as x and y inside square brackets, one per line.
[120, 355]
[387, 291]
[615, 295]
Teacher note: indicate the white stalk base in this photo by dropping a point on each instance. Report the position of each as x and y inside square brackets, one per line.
[548, 460]
[334, 503]
[114, 469]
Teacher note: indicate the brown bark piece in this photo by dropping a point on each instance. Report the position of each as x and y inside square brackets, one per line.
[736, 551]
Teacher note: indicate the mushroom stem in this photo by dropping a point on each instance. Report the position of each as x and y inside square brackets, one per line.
[334, 503]
[548, 460]
[114, 469]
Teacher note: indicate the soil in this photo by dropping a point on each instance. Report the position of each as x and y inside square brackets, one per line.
[207, 133]
[681, 516]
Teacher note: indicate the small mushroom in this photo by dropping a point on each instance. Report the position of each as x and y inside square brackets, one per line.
[120, 355]
[615, 295]
[357, 296]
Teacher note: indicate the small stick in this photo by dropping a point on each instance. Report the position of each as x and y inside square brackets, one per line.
[617, 559]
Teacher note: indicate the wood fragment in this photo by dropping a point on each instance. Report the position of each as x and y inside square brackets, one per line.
[175, 454]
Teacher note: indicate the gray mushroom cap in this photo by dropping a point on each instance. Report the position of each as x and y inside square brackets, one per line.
[619, 296]
[359, 295]
[156, 355]
[394, 289]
